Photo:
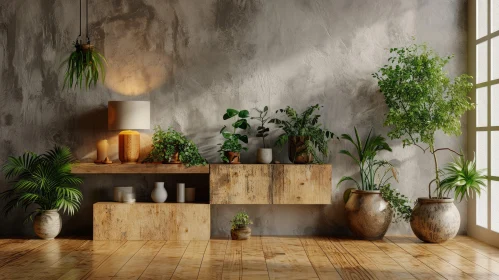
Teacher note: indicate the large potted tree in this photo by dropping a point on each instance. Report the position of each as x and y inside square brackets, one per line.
[422, 100]
[46, 181]
[370, 206]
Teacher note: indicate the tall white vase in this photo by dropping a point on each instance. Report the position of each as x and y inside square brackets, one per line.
[159, 193]
[181, 192]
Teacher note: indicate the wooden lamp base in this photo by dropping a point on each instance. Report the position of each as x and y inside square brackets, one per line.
[129, 146]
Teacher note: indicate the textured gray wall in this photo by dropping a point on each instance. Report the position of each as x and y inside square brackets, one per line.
[192, 60]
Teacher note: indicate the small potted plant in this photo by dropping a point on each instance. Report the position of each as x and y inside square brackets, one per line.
[422, 100]
[370, 206]
[230, 149]
[304, 135]
[44, 180]
[263, 155]
[85, 65]
[239, 229]
[172, 146]
[460, 177]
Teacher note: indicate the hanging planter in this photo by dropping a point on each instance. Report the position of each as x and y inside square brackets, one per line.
[85, 65]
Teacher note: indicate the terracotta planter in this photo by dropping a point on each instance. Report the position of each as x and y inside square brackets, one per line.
[368, 214]
[175, 158]
[47, 224]
[240, 233]
[296, 150]
[435, 220]
[264, 155]
[87, 47]
[234, 157]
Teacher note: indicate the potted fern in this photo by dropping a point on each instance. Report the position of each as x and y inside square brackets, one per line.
[422, 100]
[230, 149]
[46, 181]
[239, 229]
[263, 155]
[304, 135]
[370, 206]
[84, 66]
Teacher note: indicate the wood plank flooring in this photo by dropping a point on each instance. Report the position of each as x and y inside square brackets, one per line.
[261, 257]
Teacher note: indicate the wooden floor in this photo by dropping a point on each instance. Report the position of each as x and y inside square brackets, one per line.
[258, 258]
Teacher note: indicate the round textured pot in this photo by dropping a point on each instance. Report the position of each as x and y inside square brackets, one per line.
[368, 214]
[240, 233]
[47, 224]
[234, 157]
[264, 155]
[435, 220]
[296, 150]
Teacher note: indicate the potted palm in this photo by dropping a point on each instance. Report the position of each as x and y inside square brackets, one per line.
[239, 229]
[304, 135]
[264, 155]
[370, 206]
[84, 66]
[230, 149]
[46, 181]
[172, 146]
[422, 100]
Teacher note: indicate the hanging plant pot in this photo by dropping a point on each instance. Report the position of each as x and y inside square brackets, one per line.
[86, 47]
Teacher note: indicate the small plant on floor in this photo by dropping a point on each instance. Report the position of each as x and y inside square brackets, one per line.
[462, 177]
[173, 146]
[85, 66]
[370, 169]
[262, 131]
[239, 226]
[230, 149]
[304, 135]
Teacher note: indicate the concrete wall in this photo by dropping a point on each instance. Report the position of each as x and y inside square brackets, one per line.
[193, 59]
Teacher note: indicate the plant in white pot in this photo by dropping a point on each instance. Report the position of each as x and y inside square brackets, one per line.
[263, 155]
[422, 100]
[370, 206]
[46, 181]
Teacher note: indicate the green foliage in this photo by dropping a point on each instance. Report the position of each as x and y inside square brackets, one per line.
[240, 220]
[44, 180]
[421, 98]
[304, 124]
[366, 160]
[262, 131]
[233, 139]
[166, 143]
[399, 203]
[84, 67]
[463, 178]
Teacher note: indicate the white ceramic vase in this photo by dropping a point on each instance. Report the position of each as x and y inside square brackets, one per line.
[47, 224]
[181, 192]
[159, 193]
[264, 155]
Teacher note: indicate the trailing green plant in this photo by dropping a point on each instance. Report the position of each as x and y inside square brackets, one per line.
[305, 124]
[262, 131]
[165, 144]
[375, 174]
[44, 180]
[232, 142]
[240, 220]
[462, 177]
[84, 66]
[422, 99]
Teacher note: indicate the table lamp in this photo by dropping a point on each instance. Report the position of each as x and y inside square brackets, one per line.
[128, 116]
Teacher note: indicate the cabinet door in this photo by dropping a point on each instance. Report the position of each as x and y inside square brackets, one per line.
[241, 183]
[302, 184]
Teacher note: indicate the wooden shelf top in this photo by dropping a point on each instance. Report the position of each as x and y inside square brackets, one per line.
[139, 168]
[151, 203]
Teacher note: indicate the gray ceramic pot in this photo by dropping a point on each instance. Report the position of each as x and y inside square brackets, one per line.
[264, 155]
[368, 214]
[435, 220]
[47, 224]
[240, 233]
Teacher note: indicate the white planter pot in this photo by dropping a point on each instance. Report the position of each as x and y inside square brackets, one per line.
[47, 224]
[159, 193]
[264, 155]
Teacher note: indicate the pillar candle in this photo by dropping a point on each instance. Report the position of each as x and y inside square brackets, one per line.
[102, 147]
[181, 192]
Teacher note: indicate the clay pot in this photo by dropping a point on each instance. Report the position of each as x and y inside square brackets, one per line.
[264, 155]
[175, 158]
[240, 233]
[47, 224]
[435, 220]
[234, 157]
[296, 148]
[87, 47]
[368, 214]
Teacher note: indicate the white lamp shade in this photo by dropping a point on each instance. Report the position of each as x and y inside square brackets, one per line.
[122, 115]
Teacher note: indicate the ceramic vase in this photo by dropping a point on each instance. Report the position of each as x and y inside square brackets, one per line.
[264, 155]
[435, 220]
[47, 224]
[234, 157]
[181, 192]
[159, 193]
